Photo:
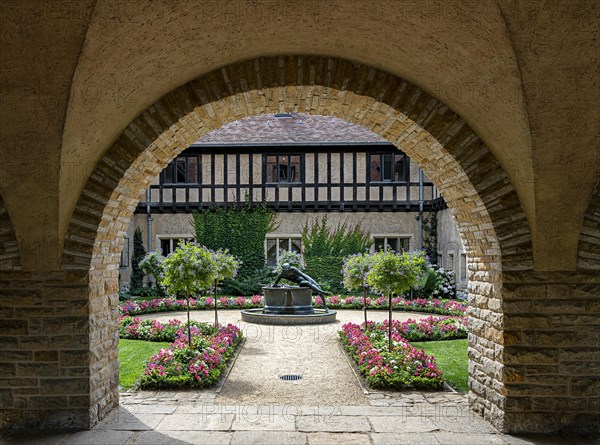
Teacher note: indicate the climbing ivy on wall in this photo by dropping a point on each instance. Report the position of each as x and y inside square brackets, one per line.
[325, 248]
[242, 230]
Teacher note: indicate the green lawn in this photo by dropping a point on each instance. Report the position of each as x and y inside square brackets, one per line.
[451, 358]
[133, 355]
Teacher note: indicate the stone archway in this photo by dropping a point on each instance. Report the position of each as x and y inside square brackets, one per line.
[475, 186]
[10, 256]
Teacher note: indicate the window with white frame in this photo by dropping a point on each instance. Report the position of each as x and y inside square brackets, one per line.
[275, 245]
[169, 243]
[395, 243]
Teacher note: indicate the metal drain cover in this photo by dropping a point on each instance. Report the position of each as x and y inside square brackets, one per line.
[290, 377]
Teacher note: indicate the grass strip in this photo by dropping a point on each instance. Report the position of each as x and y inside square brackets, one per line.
[133, 355]
[451, 357]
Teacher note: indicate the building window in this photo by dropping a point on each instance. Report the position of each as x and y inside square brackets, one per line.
[395, 243]
[388, 167]
[125, 253]
[183, 170]
[283, 168]
[440, 260]
[276, 245]
[463, 266]
[450, 261]
[168, 245]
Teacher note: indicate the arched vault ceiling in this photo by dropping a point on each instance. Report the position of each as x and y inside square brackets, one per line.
[128, 64]
[91, 67]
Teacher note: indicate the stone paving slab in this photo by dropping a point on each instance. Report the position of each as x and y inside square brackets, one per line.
[98, 437]
[124, 419]
[468, 439]
[37, 438]
[342, 424]
[338, 438]
[405, 438]
[262, 422]
[180, 437]
[195, 422]
[375, 427]
[388, 424]
[268, 438]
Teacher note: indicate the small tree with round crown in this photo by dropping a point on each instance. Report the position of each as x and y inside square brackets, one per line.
[395, 272]
[226, 266]
[152, 265]
[355, 271]
[189, 268]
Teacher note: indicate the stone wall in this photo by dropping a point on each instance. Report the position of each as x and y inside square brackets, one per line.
[45, 338]
[551, 353]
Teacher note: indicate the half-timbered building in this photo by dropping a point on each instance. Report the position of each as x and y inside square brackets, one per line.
[302, 166]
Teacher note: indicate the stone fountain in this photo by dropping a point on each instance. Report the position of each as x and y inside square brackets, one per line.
[288, 305]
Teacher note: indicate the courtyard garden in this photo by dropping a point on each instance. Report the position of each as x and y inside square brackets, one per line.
[390, 354]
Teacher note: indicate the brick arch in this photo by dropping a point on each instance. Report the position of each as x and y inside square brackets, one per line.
[476, 188]
[10, 256]
[588, 251]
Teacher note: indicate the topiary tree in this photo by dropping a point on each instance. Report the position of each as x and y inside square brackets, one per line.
[355, 271]
[226, 266]
[137, 274]
[189, 268]
[152, 265]
[395, 272]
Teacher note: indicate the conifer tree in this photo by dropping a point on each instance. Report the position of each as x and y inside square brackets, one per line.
[137, 274]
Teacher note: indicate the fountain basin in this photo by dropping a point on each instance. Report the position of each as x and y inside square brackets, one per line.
[290, 305]
[257, 315]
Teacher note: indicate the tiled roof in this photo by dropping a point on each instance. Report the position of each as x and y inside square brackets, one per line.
[290, 128]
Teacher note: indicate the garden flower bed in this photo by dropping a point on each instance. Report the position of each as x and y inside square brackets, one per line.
[138, 307]
[134, 328]
[426, 329]
[451, 307]
[179, 365]
[133, 307]
[405, 367]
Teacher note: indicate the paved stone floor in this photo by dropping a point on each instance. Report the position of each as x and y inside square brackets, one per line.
[338, 413]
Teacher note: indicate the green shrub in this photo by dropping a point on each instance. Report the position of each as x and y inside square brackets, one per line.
[143, 292]
[325, 249]
[439, 283]
[343, 240]
[326, 271]
[250, 283]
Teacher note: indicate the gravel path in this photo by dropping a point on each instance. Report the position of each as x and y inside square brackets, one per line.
[271, 351]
